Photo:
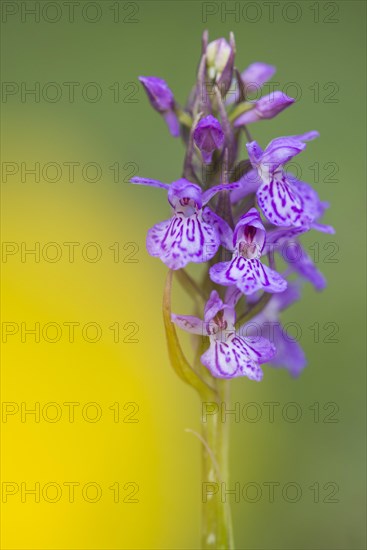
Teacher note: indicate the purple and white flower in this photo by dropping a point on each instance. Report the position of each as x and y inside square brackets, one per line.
[228, 355]
[245, 270]
[280, 197]
[162, 100]
[195, 232]
[208, 136]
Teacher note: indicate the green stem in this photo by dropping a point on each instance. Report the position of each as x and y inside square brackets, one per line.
[216, 515]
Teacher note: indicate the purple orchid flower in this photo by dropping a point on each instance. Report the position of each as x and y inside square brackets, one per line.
[229, 355]
[195, 232]
[289, 353]
[310, 203]
[265, 108]
[245, 269]
[162, 100]
[279, 196]
[208, 136]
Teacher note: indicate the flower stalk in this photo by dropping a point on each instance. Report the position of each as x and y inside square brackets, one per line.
[237, 216]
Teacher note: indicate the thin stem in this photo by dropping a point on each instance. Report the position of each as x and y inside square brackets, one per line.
[217, 530]
[248, 135]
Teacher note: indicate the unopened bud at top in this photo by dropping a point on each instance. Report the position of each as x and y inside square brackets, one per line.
[220, 61]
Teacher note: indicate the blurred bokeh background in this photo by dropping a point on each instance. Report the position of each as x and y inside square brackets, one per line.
[84, 131]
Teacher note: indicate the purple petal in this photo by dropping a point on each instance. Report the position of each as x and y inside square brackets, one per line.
[259, 276]
[275, 240]
[181, 240]
[159, 94]
[209, 193]
[280, 204]
[251, 219]
[208, 136]
[213, 306]
[300, 261]
[261, 349]
[257, 74]
[184, 189]
[307, 136]
[230, 359]
[289, 353]
[285, 299]
[224, 231]
[279, 151]
[248, 275]
[233, 295]
[249, 183]
[189, 323]
[255, 153]
[150, 182]
[311, 204]
[323, 228]
[172, 122]
[265, 108]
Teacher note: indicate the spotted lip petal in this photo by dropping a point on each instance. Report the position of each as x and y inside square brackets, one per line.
[231, 359]
[248, 275]
[181, 240]
[281, 204]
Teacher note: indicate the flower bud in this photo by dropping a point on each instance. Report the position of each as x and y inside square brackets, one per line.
[208, 136]
[266, 107]
[220, 61]
[162, 100]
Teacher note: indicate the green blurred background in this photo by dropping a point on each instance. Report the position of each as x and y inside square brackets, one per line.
[320, 46]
